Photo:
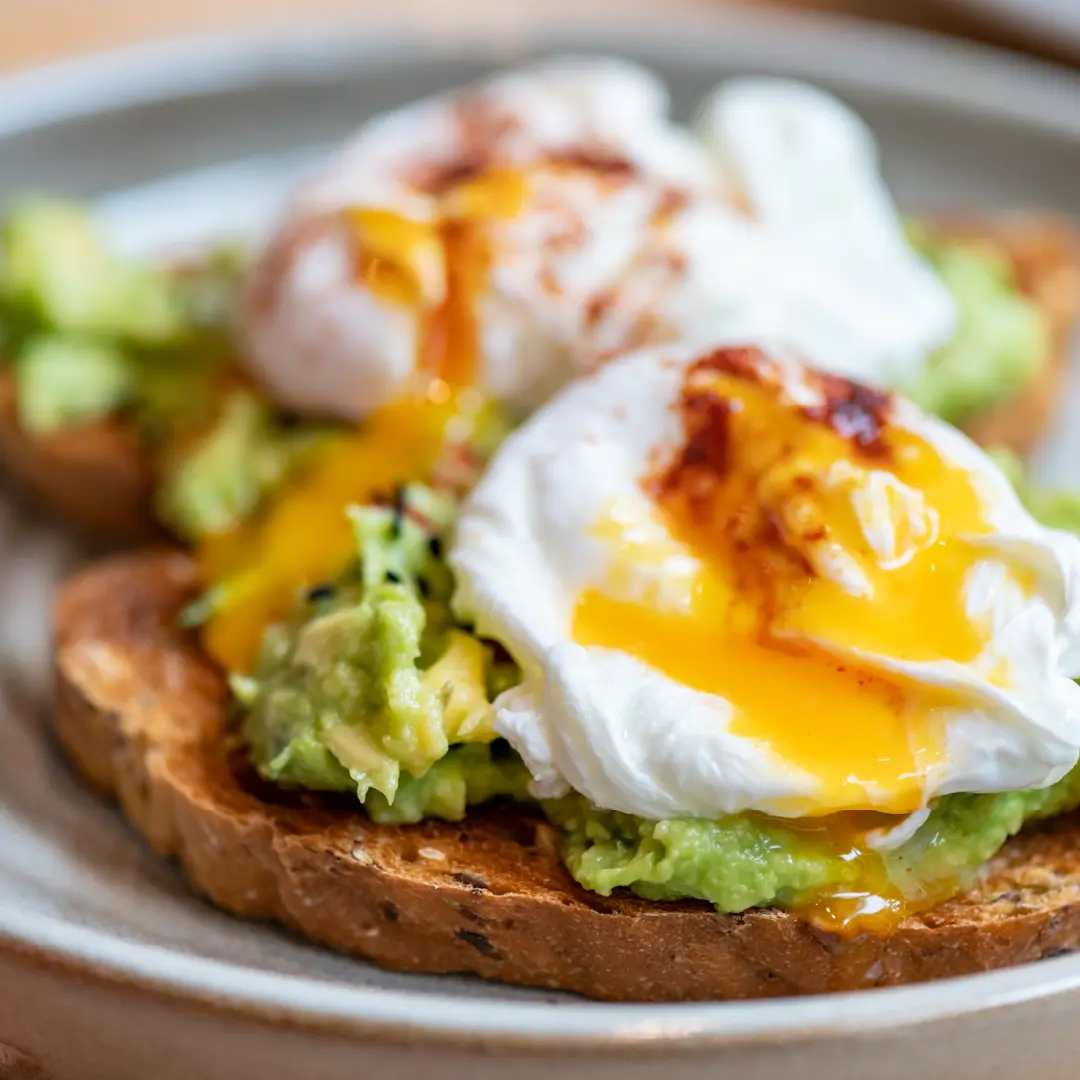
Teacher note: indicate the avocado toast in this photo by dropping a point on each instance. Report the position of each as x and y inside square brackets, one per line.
[748, 633]
[144, 715]
[254, 787]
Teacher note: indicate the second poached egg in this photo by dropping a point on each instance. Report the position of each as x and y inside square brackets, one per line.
[518, 233]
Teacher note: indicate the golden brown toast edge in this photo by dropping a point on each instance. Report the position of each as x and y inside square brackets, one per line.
[143, 715]
[95, 478]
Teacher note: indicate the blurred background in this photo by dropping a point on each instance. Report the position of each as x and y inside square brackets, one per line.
[34, 31]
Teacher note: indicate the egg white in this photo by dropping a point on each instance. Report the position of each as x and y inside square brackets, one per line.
[602, 723]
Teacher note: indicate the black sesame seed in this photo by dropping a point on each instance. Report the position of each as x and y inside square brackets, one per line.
[323, 591]
[474, 881]
[399, 510]
[394, 576]
[435, 547]
[480, 942]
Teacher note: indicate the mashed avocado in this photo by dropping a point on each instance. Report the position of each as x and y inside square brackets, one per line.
[371, 683]
[57, 273]
[1001, 341]
[89, 332]
[220, 478]
[745, 861]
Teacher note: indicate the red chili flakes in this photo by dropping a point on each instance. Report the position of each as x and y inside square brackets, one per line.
[748, 363]
[706, 454]
[672, 201]
[855, 412]
[268, 280]
[438, 177]
[597, 159]
[482, 132]
[676, 263]
[571, 237]
[548, 281]
[597, 307]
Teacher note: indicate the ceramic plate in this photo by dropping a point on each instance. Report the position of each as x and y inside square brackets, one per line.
[109, 966]
[1054, 23]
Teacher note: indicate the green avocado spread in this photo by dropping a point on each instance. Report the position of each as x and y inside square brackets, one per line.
[373, 688]
[746, 861]
[89, 333]
[1001, 340]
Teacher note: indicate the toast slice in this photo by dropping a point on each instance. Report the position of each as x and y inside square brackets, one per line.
[144, 716]
[97, 478]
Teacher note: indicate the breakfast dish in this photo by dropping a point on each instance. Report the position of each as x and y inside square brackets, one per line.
[265, 820]
[579, 530]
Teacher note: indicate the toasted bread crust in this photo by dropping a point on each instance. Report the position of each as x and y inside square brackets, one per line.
[94, 478]
[98, 480]
[143, 715]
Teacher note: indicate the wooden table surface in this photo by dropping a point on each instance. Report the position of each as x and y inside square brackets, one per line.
[34, 31]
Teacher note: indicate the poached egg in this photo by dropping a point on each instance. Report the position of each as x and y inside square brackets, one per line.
[469, 239]
[515, 234]
[737, 584]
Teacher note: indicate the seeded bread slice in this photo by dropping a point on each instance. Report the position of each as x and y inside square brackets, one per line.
[143, 715]
[97, 478]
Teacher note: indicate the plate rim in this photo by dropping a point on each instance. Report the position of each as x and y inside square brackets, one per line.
[849, 52]
[1040, 24]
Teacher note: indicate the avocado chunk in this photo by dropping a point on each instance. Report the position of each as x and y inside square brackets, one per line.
[372, 687]
[63, 382]
[1002, 339]
[222, 476]
[59, 273]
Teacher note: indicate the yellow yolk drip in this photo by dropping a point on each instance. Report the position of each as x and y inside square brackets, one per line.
[873, 903]
[398, 259]
[303, 535]
[758, 518]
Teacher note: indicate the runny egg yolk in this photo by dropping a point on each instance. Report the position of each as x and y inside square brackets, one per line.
[765, 496]
[873, 900]
[302, 536]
